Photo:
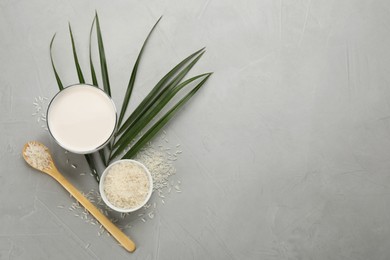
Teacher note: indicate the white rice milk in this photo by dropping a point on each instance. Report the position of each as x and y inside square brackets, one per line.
[81, 118]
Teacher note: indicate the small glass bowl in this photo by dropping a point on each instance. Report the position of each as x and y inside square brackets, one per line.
[104, 197]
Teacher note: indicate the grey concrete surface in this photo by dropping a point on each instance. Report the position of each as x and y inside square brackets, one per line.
[285, 151]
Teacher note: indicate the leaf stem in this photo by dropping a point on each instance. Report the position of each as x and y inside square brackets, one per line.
[92, 166]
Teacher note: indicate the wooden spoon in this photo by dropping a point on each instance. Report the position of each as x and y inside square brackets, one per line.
[38, 156]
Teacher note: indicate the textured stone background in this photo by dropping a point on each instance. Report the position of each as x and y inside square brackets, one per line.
[286, 149]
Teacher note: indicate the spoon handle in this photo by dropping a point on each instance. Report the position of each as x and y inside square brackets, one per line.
[125, 241]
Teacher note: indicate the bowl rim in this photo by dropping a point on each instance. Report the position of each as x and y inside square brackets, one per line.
[104, 197]
[83, 151]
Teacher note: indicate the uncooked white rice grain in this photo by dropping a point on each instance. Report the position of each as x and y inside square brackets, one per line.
[126, 185]
[37, 156]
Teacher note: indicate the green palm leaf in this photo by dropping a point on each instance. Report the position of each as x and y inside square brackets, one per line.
[93, 73]
[148, 100]
[133, 77]
[151, 113]
[59, 83]
[163, 121]
[76, 60]
[102, 55]
[127, 137]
